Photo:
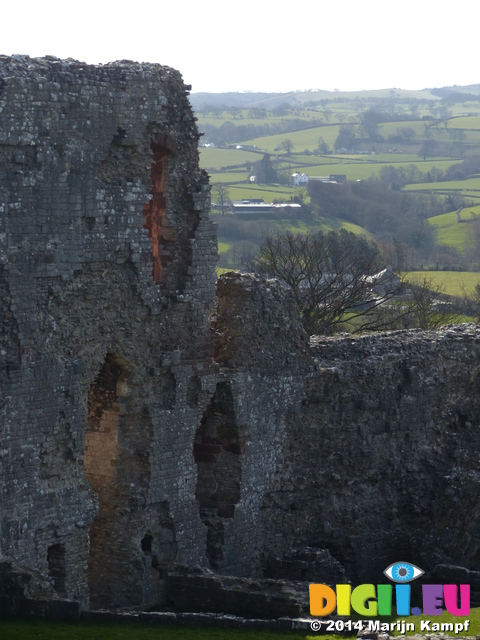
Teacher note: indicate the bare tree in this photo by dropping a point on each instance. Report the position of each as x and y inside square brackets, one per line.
[338, 284]
[471, 301]
[476, 302]
[427, 306]
[328, 274]
[220, 192]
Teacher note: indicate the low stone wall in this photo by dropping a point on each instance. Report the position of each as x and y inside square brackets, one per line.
[186, 619]
[380, 463]
[195, 589]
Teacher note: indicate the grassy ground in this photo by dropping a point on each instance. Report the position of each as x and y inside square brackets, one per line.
[16, 629]
[304, 139]
[220, 270]
[360, 170]
[268, 193]
[278, 224]
[465, 123]
[41, 629]
[464, 186]
[453, 281]
[451, 232]
[218, 158]
[224, 246]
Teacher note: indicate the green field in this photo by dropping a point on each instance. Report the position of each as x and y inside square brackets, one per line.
[268, 193]
[470, 184]
[330, 224]
[304, 139]
[418, 127]
[217, 158]
[418, 134]
[229, 177]
[472, 122]
[365, 170]
[454, 282]
[470, 188]
[451, 232]
[354, 167]
[454, 133]
[224, 246]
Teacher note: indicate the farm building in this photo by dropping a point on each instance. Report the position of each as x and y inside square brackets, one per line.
[257, 207]
[297, 179]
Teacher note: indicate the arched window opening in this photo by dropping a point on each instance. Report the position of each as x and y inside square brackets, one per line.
[219, 443]
[146, 544]
[106, 409]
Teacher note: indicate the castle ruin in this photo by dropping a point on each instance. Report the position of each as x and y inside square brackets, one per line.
[151, 420]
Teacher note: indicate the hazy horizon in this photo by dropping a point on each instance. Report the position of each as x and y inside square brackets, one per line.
[268, 48]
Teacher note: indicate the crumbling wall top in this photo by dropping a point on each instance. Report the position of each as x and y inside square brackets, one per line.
[454, 342]
[47, 100]
[83, 149]
[258, 325]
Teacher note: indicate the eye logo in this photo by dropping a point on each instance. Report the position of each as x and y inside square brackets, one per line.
[378, 600]
[403, 572]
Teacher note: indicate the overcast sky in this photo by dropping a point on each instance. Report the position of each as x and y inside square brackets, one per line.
[264, 45]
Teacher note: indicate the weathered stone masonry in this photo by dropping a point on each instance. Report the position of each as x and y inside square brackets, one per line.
[376, 454]
[382, 460]
[106, 272]
[146, 427]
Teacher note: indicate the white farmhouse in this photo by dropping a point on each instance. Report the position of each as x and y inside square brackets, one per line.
[297, 179]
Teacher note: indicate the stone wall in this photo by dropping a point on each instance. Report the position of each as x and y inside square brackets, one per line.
[381, 462]
[146, 427]
[106, 285]
[375, 441]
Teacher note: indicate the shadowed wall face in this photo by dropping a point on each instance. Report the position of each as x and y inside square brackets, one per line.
[107, 277]
[143, 425]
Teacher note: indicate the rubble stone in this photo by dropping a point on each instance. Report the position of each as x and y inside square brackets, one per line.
[147, 428]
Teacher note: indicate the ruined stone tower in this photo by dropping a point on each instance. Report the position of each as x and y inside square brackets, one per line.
[106, 284]
[148, 426]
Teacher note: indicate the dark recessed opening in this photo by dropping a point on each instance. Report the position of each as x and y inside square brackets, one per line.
[147, 544]
[56, 567]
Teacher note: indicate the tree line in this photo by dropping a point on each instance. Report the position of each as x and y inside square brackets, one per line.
[229, 132]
